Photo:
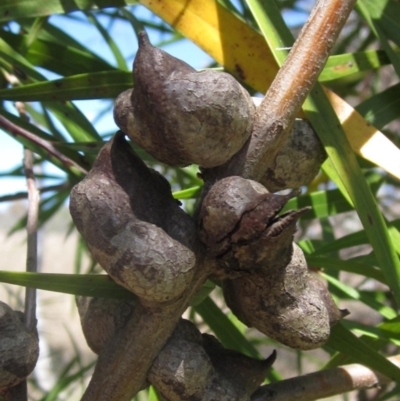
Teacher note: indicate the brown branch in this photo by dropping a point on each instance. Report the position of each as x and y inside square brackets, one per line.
[325, 383]
[15, 130]
[123, 364]
[293, 83]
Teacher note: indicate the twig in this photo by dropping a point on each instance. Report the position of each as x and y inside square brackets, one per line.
[32, 227]
[24, 195]
[325, 383]
[46, 145]
[293, 83]
[19, 392]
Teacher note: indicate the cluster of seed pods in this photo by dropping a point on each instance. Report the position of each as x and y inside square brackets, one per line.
[142, 238]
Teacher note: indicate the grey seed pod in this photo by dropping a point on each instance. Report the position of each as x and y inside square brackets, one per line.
[182, 369]
[247, 373]
[132, 225]
[191, 365]
[299, 160]
[238, 213]
[197, 367]
[101, 318]
[265, 276]
[19, 348]
[181, 116]
[286, 305]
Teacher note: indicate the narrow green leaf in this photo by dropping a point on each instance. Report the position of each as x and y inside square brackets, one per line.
[273, 28]
[224, 329]
[91, 148]
[374, 332]
[34, 31]
[135, 23]
[347, 241]
[74, 121]
[346, 265]
[91, 285]
[385, 13]
[13, 62]
[153, 396]
[66, 380]
[96, 85]
[323, 203]
[188, 193]
[395, 236]
[57, 57]
[343, 340]
[352, 293]
[329, 169]
[16, 9]
[119, 58]
[382, 108]
[353, 239]
[343, 65]
[382, 17]
[325, 122]
[203, 293]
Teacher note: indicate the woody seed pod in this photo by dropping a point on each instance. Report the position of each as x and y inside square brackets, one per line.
[132, 225]
[181, 116]
[298, 161]
[101, 318]
[265, 276]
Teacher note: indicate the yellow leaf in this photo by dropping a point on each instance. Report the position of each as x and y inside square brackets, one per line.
[244, 52]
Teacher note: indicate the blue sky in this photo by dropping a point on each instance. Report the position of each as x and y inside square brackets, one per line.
[11, 151]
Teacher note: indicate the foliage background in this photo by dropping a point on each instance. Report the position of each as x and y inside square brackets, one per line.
[45, 74]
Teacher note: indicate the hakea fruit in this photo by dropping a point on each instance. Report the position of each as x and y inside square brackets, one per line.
[181, 116]
[265, 276]
[197, 367]
[298, 161]
[190, 366]
[19, 348]
[101, 318]
[132, 225]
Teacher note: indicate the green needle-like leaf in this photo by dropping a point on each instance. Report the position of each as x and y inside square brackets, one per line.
[343, 340]
[91, 285]
[96, 85]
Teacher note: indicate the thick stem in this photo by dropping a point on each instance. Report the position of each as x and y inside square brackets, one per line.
[291, 86]
[325, 383]
[293, 83]
[125, 360]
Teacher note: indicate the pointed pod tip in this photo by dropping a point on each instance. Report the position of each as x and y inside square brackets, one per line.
[271, 359]
[143, 39]
[344, 313]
